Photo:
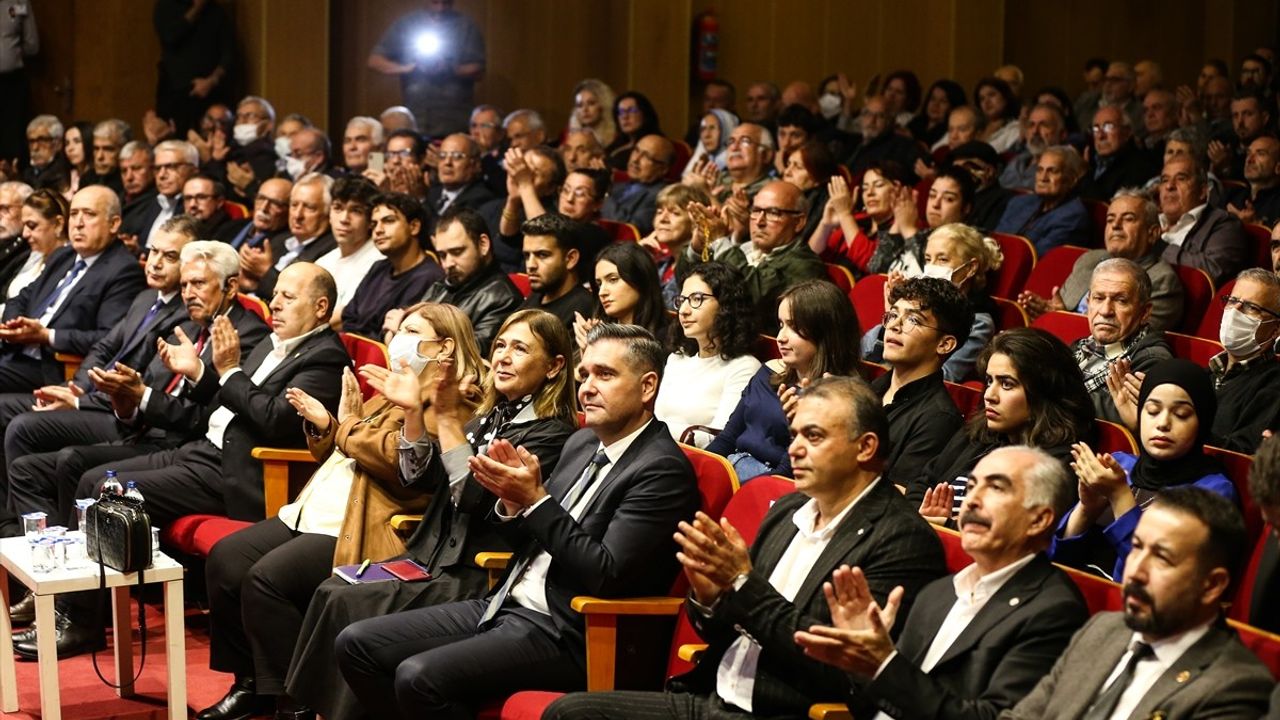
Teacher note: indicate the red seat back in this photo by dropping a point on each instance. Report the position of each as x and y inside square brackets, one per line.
[1189, 347]
[1241, 607]
[1262, 644]
[1197, 295]
[1212, 319]
[681, 154]
[967, 399]
[521, 281]
[717, 482]
[1052, 270]
[872, 370]
[1100, 594]
[1066, 326]
[619, 231]
[868, 300]
[255, 306]
[1009, 314]
[766, 348]
[957, 558]
[1019, 261]
[1260, 239]
[842, 278]
[1113, 437]
[1238, 465]
[1098, 214]
[365, 351]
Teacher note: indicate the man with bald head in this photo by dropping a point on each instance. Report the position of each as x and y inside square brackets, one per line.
[1259, 200]
[775, 258]
[636, 201]
[1116, 161]
[460, 181]
[85, 289]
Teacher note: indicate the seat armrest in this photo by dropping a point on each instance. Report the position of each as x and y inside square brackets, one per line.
[691, 652]
[495, 562]
[275, 474]
[404, 523]
[829, 711]
[601, 615]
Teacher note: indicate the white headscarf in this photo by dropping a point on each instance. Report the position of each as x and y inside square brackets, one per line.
[728, 121]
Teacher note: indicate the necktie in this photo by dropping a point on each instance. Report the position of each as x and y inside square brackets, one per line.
[1105, 705]
[589, 475]
[137, 332]
[52, 298]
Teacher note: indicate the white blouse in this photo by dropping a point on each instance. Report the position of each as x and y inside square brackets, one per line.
[701, 391]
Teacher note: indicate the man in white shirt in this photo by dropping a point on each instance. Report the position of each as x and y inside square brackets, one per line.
[748, 603]
[1169, 654]
[601, 525]
[976, 642]
[1198, 234]
[349, 219]
[308, 238]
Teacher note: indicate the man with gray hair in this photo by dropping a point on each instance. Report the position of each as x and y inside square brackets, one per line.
[1054, 215]
[137, 176]
[1043, 128]
[1133, 233]
[109, 136]
[460, 181]
[176, 162]
[1116, 161]
[47, 166]
[251, 158]
[397, 117]
[362, 136]
[747, 163]
[1198, 234]
[12, 195]
[525, 129]
[976, 642]
[1118, 306]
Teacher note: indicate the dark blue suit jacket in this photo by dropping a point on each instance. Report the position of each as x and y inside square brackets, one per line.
[1067, 224]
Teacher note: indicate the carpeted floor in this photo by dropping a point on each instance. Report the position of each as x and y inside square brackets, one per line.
[84, 697]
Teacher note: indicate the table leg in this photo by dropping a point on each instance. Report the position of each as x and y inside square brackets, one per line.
[47, 658]
[122, 628]
[8, 671]
[175, 641]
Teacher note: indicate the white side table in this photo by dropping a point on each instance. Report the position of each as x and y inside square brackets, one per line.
[15, 559]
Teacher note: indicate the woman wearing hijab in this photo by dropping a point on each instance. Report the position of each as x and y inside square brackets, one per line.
[713, 140]
[1176, 406]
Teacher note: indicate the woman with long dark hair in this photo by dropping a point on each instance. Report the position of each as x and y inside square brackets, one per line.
[627, 290]
[635, 117]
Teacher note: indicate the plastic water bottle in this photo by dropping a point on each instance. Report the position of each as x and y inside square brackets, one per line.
[111, 485]
[132, 492]
[82, 512]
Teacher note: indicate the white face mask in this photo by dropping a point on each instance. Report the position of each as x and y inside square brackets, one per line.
[405, 347]
[829, 105]
[296, 167]
[282, 147]
[245, 133]
[1239, 333]
[942, 272]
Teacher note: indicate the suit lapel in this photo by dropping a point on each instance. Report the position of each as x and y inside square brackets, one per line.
[619, 469]
[91, 273]
[926, 621]
[1095, 667]
[854, 529]
[1020, 588]
[1183, 672]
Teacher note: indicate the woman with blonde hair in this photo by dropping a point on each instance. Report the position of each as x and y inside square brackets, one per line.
[529, 401]
[260, 579]
[593, 109]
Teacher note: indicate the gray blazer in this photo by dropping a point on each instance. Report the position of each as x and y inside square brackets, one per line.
[1215, 678]
[1166, 288]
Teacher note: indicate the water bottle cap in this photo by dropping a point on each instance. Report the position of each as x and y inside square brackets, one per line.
[131, 484]
[111, 473]
[84, 503]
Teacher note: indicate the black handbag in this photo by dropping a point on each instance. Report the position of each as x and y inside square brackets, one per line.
[118, 533]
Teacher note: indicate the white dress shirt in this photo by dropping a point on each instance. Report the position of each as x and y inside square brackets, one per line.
[1167, 652]
[736, 675]
[30, 270]
[348, 271]
[1176, 231]
[168, 207]
[293, 246]
[66, 293]
[530, 590]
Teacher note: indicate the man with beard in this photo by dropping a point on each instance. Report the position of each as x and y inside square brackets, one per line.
[204, 199]
[1170, 653]
[1043, 129]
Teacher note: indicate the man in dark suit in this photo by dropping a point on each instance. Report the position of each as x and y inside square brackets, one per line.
[270, 220]
[636, 201]
[175, 162]
[50, 451]
[748, 603]
[1117, 161]
[85, 290]
[461, 183]
[601, 525]
[308, 240]
[205, 199]
[1170, 654]
[976, 642]
[1198, 234]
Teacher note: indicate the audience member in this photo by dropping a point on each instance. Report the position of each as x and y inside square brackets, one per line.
[881, 142]
[552, 256]
[310, 151]
[991, 199]
[711, 363]
[593, 110]
[1251, 115]
[1000, 109]
[1186, 556]
[460, 183]
[137, 175]
[251, 159]
[362, 136]
[583, 196]
[797, 125]
[581, 149]
[1095, 71]
[29, 231]
[269, 224]
[976, 642]
[176, 161]
[839, 239]
[75, 149]
[625, 283]
[534, 180]
[1132, 233]
[747, 164]
[711, 146]
[764, 102]
[635, 201]
[109, 136]
[964, 125]
[1118, 90]
[1116, 160]
[487, 130]
[204, 200]
[748, 602]
[815, 338]
[1045, 127]
[309, 238]
[717, 94]
[47, 165]
[636, 119]
[929, 126]
[398, 117]
[1054, 215]
[402, 275]
[673, 229]
[261, 578]
[350, 212]
[403, 170]
[1264, 490]
[1159, 118]
[606, 538]
[900, 248]
[1197, 234]
[1259, 200]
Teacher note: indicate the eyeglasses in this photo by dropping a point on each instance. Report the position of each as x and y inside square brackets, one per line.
[1106, 127]
[576, 193]
[171, 166]
[773, 215]
[402, 154]
[203, 197]
[695, 300]
[277, 204]
[1253, 310]
[40, 140]
[628, 111]
[250, 117]
[455, 155]
[744, 141]
[909, 322]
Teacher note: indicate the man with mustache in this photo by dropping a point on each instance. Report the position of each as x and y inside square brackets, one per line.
[976, 642]
[636, 201]
[1170, 653]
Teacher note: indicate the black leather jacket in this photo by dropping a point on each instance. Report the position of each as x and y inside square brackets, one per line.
[487, 298]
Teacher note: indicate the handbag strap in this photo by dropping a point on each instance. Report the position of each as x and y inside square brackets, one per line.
[101, 619]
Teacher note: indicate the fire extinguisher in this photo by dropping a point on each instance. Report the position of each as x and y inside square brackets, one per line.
[706, 45]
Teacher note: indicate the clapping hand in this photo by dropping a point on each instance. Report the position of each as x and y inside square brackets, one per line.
[712, 556]
[511, 473]
[1101, 481]
[938, 503]
[1124, 386]
[401, 387]
[351, 404]
[226, 345]
[858, 640]
[309, 408]
[57, 397]
[180, 359]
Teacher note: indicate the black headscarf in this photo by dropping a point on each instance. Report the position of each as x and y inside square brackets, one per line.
[1154, 475]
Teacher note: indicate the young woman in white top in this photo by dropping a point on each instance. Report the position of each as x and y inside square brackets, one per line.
[712, 362]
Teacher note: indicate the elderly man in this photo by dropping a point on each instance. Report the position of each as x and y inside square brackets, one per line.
[308, 240]
[85, 289]
[47, 165]
[525, 129]
[1118, 306]
[880, 142]
[12, 195]
[176, 161]
[204, 199]
[582, 149]
[362, 136]
[1132, 233]
[1188, 552]
[764, 102]
[137, 175]
[747, 602]
[1159, 118]
[1147, 76]
[251, 159]
[1198, 234]
[1116, 161]
[487, 130]
[748, 161]
[636, 201]
[397, 117]
[1054, 215]
[109, 136]
[600, 524]
[964, 124]
[1259, 200]
[991, 199]
[1044, 128]
[270, 218]
[350, 211]
[775, 258]
[310, 151]
[978, 641]
[461, 183]
[1118, 91]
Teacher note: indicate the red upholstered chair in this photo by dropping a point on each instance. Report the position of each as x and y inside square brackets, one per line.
[1260, 238]
[1262, 643]
[1100, 594]
[1098, 214]
[1052, 270]
[842, 278]
[365, 351]
[1238, 465]
[868, 300]
[1113, 437]
[679, 158]
[766, 348]
[256, 306]
[1009, 314]
[1241, 606]
[1019, 261]
[235, 210]
[967, 398]
[620, 231]
[1197, 296]
[1066, 326]
[1196, 349]
[1212, 318]
[745, 510]
[957, 558]
[521, 281]
[872, 370]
